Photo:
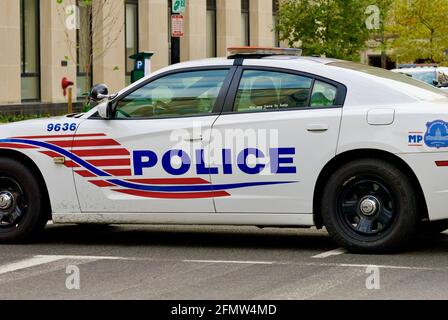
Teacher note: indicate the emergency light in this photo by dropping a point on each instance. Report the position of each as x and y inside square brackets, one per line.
[263, 51]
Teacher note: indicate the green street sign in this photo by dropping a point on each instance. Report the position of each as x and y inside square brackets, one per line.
[179, 6]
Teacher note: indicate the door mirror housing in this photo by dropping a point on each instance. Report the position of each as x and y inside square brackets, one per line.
[102, 110]
[99, 92]
[106, 109]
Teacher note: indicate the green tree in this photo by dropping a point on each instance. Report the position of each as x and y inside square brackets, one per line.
[333, 28]
[422, 28]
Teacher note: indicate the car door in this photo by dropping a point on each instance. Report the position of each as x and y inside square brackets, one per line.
[278, 130]
[144, 159]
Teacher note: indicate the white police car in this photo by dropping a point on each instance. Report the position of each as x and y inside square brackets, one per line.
[263, 138]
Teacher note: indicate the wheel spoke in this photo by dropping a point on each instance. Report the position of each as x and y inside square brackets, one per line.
[365, 225]
[382, 195]
[385, 216]
[349, 207]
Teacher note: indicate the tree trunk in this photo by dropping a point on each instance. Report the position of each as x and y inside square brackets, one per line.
[383, 59]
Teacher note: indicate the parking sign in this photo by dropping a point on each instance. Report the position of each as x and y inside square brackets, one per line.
[177, 25]
[179, 6]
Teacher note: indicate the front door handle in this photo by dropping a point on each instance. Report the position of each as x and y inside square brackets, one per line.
[194, 139]
[317, 127]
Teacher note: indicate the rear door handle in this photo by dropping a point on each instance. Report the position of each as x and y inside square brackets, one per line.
[317, 127]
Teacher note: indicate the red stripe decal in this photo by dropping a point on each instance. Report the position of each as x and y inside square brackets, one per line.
[51, 154]
[170, 181]
[16, 146]
[85, 143]
[163, 195]
[85, 173]
[101, 183]
[101, 152]
[63, 136]
[110, 162]
[442, 163]
[71, 164]
[119, 172]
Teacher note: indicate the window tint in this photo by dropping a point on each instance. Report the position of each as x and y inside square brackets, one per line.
[265, 90]
[324, 95]
[176, 95]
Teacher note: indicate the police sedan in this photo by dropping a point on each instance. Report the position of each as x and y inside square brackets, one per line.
[261, 138]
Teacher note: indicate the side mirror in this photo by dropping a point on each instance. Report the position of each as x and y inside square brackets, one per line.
[435, 83]
[99, 92]
[106, 109]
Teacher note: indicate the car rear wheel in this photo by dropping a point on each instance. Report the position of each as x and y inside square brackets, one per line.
[369, 206]
[22, 209]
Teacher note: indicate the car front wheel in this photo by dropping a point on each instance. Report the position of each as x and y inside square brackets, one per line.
[369, 206]
[22, 213]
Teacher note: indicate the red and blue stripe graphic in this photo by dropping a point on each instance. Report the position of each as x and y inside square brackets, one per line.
[105, 164]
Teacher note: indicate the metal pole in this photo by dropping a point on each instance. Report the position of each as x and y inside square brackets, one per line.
[70, 103]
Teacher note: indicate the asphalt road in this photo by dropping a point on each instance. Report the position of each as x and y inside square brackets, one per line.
[191, 262]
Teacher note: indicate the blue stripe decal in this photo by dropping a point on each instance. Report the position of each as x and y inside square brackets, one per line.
[61, 151]
[194, 188]
[122, 183]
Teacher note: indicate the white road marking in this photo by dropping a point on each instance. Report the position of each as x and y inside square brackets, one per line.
[28, 263]
[330, 253]
[45, 259]
[229, 261]
[350, 265]
[74, 257]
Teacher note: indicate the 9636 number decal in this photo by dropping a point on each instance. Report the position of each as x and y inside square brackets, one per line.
[56, 127]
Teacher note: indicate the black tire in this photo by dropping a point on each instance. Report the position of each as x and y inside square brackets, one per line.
[369, 206]
[18, 180]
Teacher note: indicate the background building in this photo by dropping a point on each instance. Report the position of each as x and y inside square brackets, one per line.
[43, 41]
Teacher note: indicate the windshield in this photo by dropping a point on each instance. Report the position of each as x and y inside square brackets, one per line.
[427, 76]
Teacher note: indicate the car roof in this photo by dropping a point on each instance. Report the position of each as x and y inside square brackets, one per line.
[415, 70]
[226, 61]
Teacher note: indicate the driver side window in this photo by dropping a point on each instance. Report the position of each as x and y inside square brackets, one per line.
[182, 94]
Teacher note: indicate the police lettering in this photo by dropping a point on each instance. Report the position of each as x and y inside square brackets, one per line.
[281, 162]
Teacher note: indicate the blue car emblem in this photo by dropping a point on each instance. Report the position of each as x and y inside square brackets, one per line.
[436, 135]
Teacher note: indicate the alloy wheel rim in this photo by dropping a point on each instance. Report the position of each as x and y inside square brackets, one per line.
[366, 206]
[13, 202]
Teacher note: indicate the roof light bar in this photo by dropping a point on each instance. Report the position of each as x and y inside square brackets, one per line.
[263, 51]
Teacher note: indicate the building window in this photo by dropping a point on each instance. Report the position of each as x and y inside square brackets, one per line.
[84, 50]
[131, 22]
[245, 30]
[30, 50]
[211, 28]
[275, 10]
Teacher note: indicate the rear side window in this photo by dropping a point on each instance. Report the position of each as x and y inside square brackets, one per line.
[267, 90]
[324, 95]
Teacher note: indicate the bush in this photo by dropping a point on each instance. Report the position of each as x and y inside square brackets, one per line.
[6, 118]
